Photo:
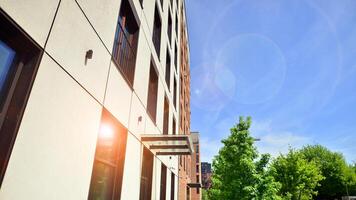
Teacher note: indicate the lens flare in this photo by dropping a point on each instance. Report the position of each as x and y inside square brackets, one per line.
[106, 131]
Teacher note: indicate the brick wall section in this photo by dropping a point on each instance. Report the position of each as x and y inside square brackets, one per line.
[195, 168]
[184, 107]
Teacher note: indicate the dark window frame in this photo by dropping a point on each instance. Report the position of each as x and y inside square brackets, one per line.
[124, 53]
[119, 147]
[172, 186]
[165, 116]
[152, 95]
[146, 174]
[174, 126]
[175, 92]
[24, 66]
[168, 70]
[175, 56]
[163, 183]
[169, 27]
[157, 31]
[177, 24]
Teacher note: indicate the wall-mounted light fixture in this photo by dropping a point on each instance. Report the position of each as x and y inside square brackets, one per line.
[88, 55]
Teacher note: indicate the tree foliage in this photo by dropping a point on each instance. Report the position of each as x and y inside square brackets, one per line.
[237, 171]
[298, 176]
[313, 172]
[338, 174]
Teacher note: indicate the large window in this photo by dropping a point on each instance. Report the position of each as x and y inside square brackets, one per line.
[19, 59]
[177, 24]
[188, 193]
[169, 28]
[152, 93]
[156, 36]
[163, 182]
[175, 93]
[166, 116]
[172, 186]
[146, 175]
[125, 44]
[175, 56]
[174, 126]
[109, 160]
[168, 70]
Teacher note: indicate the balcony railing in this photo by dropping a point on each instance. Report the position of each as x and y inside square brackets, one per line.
[124, 53]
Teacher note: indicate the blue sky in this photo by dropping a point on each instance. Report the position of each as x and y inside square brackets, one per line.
[290, 65]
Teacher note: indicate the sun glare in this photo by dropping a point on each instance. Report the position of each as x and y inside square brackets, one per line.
[106, 131]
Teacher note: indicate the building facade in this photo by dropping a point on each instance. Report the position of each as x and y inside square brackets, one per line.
[185, 162]
[206, 175]
[195, 168]
[90, 99]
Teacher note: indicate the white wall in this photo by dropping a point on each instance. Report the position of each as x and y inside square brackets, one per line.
[53, 154]
[35, 17]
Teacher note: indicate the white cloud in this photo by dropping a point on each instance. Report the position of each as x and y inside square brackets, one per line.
[272, 141]
[275, 141]
[209, 148]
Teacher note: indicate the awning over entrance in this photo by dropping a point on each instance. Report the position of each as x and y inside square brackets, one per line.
[194, 185]
[168, 144]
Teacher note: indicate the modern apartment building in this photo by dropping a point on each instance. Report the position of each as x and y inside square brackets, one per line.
[195, 168]
[90, 99]
[185, 161]
[206, 175]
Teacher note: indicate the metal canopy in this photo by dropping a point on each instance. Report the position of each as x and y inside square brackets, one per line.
[168, 144]
[194, 185]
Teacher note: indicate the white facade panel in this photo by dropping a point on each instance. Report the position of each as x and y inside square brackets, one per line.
[160, 106]
[103, 15]
[132, 169]
[71, 37]
[142, 70]
[53, 154]
[156, 182]
[148, 14]
[35, 17]
[118, 96]
[137, 126]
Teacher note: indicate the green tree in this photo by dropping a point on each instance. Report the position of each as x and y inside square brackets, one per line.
[339, 176]
[204, 195]
[237, 171]
[298, 176]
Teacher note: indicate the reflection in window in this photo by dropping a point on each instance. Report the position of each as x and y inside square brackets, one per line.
[19, 60]
[6, 59]
[163, 182]
[125, 44]
[109, 159]
[152, 93]
[146, 175]
[172, 185]
[156, 35]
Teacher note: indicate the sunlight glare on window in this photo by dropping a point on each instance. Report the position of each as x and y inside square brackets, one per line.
[106, 131]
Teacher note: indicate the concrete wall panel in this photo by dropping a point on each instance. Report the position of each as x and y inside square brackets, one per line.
[53, 154]
[35, 17]
[71, 37]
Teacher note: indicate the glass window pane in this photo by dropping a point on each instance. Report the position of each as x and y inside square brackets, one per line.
[107, 143]
[6, 58]
[102, 181]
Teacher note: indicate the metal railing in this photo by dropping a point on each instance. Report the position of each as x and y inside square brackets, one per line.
[124, 53]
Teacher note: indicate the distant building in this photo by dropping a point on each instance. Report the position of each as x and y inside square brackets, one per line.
[206, 175]
[195, 167]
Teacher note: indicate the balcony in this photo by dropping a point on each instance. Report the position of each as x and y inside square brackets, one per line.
[124, 53]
